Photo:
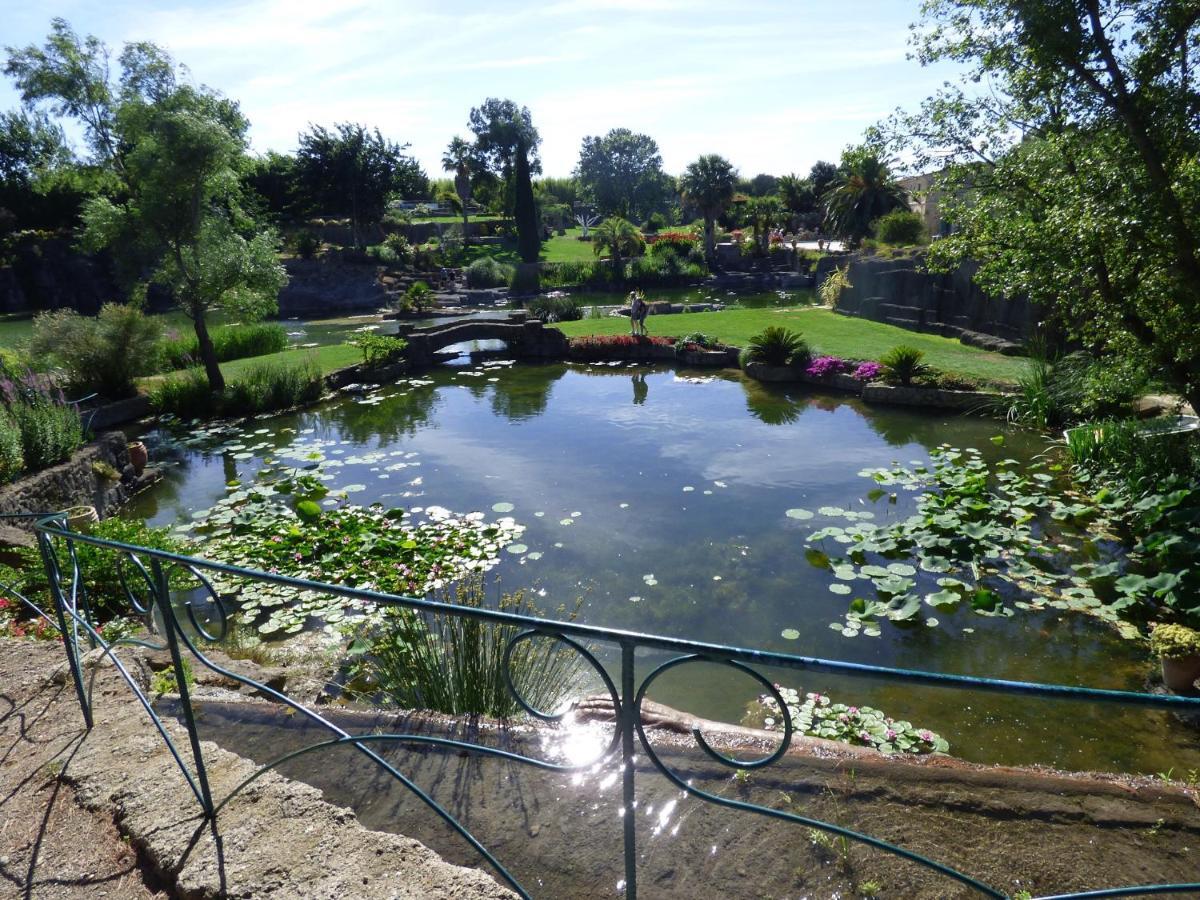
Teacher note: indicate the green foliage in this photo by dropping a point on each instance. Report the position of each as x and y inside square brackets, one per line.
[1078, 387]
[487, 272]
[525, 280]
[864, 191]
[708, 185]
[380, 349]
[187, 395]
[419, 296]
[700, 339]
[555, 309]
[903, 364]
[777, 346]
[1107, 139]
[12, 459]
[655, 223]
[50, 432]
[817, 716]
[101, 568]
[831, 288]
[621, 174]
[104, 353]
[1174, 641]
[165, 681]
[900, 227]
[352, 171]
[229, 342]
[456, 665]
[621, 239]
[263, 387]
[306, 244]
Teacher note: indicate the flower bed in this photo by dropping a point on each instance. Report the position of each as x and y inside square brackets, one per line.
[636, 348]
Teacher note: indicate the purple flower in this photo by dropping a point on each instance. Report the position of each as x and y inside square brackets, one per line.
[867, 371]
[824, 366]
[925, 734]
[891, 735]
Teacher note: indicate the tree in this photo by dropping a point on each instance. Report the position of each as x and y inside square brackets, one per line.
[176, 150]
[458, 159]
[1072, 180]
[40, 186]
[273, 178]
[822, 175]
[353, 171]
[765, 214]
[500, 127]
[798, 198]
[762, 184]
[620, 238]
[864, 191]
[621, 174]
[506, 144]
[708, 184]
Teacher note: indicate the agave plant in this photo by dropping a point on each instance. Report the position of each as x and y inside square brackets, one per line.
[777, 346]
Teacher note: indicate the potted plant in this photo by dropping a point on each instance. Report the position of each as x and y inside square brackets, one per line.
[1178, 647]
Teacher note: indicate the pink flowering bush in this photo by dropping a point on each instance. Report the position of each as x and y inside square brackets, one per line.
[824, 366]
[867, 371]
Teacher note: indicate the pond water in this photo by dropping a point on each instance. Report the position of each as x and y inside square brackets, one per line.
[657, 497]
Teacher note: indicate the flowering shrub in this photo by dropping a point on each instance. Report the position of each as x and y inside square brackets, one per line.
[15, 623]
[867, 371]
[614, 346]
[824, 366]
[680, 242]
[818, 716]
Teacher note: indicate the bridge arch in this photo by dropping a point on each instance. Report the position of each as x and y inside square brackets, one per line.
[526, 339]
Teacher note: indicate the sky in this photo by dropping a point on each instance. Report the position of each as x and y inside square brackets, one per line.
[773, 85]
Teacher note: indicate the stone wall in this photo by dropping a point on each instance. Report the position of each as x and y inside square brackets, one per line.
[327, 287]
[900, 292]
[74, 483]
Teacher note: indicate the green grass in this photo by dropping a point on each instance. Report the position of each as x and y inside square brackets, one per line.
[827, 333]
[567, 248]
[329, 358]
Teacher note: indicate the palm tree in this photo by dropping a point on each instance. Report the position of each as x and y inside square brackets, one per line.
[457, 159]
[797, 196]
[864, 191]
[765, 214]
[621, 238]
[709, 184]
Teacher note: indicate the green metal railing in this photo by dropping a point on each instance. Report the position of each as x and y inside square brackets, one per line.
[144, 574]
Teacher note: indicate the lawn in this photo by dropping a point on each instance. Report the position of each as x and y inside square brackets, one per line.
[564, 248]
[328, 358]
[826, 333]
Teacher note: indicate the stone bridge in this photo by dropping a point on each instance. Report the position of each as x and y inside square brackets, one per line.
[526, 339]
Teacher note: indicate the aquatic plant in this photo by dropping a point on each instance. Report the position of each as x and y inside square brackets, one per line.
[816, 715]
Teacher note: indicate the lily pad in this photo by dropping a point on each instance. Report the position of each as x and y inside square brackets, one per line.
[802, 514]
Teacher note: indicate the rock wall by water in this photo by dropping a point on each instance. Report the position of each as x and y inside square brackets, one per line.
[901, 292]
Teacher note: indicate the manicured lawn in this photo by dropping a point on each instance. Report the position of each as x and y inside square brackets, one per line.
[567, 248]
[826, 332]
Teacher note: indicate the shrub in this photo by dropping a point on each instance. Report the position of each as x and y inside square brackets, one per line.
[655, 223]
[900, 227]
[613, 346]
[678, 242]
[402, 250]
[419, 296]
[101, 568]
[525, 280]
[12, 461]
[382, 254]
[306, 244]
[576, 273]
[825, 366]
[867, 371]
[487, 272]
[778, 346]
[457, 665]
[50, 431]
[269, 387]
[831, 288]
[903, 364]
[186, 395]
[1174, 641]
[379, 349]
[551, 308]
[699, 339]
[102, 354]
[229, 342]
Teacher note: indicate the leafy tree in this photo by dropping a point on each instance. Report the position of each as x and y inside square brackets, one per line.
[506, 144]
[822, 175]
[798, 197]
[762, 184]
[1073, 180]
[177, 151]
[901, 227]
[864, 191]
[708, 184]
[353, 171]
[621, 174]
[273, 178]
[620, 238]
[40, 186]
[500, 127]
[459, 159]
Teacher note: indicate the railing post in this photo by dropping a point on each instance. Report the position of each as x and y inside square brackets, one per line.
[162, 592]
[628, 724]
[70, 644]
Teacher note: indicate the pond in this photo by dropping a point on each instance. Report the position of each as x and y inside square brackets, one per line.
[658, 498]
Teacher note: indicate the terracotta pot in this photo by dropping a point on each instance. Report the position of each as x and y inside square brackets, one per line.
[138, 456]
[79, 517]
[1180, 674]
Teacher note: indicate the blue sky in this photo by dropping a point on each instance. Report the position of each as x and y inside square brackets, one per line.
[772, 85]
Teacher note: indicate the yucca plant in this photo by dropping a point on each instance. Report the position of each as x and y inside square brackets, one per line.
[903, 364]
[777, 346]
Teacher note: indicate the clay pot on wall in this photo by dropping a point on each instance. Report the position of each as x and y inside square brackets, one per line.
[79, 517]
[138, 456]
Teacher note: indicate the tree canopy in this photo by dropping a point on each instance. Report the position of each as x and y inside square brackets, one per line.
[621, 174]
[864, 190]
[709, 184]
[1073, 178]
